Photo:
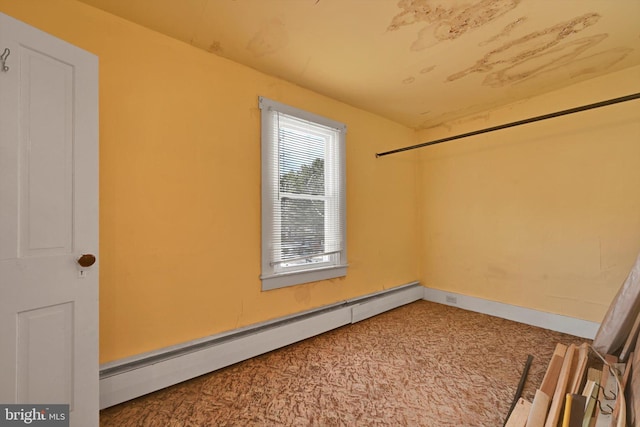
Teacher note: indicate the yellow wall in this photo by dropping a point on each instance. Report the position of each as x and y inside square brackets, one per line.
[180, 187]
[546, 215]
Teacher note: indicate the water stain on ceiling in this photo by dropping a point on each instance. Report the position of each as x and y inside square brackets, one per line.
[269, 39]
[529, 46]
[598, 62]
[450, 20]
[505, 31]
[426, 70]
[446, 20]
[215, 47]
[417, 62]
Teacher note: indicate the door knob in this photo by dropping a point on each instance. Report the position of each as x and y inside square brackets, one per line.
[87, 260]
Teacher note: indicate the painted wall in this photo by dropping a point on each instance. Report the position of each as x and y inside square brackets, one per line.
[544, 216]
[180, 187]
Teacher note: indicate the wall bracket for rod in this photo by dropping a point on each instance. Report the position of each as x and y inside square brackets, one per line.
[516, 123]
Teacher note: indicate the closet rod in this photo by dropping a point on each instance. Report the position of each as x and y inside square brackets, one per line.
[517, 123]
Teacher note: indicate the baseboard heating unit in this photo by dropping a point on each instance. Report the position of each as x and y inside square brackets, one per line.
[132, 377]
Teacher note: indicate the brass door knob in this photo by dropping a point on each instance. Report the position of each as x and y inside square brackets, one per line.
[87, 260]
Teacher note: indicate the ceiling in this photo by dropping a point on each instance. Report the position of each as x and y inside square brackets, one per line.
[418, 62]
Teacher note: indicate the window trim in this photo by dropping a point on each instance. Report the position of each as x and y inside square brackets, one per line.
[271, 279]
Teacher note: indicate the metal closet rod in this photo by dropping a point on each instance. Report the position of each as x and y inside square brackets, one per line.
[518, 123]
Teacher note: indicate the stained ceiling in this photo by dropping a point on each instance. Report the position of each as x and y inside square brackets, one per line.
[418, 62]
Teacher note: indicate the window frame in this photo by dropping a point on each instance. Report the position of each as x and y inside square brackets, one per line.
[274, 276]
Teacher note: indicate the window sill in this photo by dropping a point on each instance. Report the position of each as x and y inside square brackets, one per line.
[282, 280]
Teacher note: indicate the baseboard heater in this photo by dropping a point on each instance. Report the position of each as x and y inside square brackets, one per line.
[133, 377]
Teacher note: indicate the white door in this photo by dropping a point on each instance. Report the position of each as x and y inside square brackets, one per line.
[48, 219]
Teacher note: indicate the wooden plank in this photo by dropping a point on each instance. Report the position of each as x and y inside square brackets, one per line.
[579, 368]
[623, 385]
[618, 321]
[568, 404]
[604, 376]
[627, 372]
[574, 410]
[630, 343]
[609, 389]
[561, 387]
[594, 375]
[633, 390]
[519, 415]
[604, 379]
[550, 379]
[539, 408]
[614, 371]
[591, 393]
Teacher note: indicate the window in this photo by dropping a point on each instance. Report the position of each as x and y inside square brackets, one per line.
[303, 197]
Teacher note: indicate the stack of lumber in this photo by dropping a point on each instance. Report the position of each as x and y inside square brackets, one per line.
[593, 386]
[618, 335]
[577, 391]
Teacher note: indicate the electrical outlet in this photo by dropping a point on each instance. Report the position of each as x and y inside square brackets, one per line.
[451, 299]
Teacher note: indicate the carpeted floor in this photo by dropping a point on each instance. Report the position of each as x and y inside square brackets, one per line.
[423, 364]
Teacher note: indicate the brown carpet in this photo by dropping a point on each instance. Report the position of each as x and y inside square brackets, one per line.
[423, 364]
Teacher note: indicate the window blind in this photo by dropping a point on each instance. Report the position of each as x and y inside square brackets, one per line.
[303, 191]
[307, 227]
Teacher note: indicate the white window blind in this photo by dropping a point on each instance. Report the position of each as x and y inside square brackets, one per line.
[303, 196]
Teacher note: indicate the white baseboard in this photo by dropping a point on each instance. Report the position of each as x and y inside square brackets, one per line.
[135, 376]
[372, 305]
[555, 322]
